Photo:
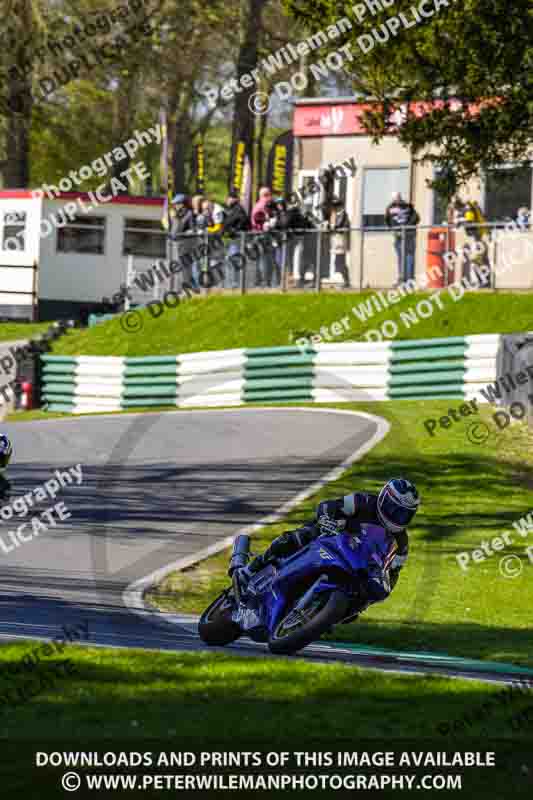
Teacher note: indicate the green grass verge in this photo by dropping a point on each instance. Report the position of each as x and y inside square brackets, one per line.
[152, 694]
[470, 493]
[16, 331]
[223, 322]
[128, 700]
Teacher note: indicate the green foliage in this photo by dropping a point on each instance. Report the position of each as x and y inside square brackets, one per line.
[258, 320]
[478, 51]
[219, 701]
[17, 331]
[470, 493]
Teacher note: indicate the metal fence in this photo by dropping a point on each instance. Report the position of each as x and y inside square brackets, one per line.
[355, 258]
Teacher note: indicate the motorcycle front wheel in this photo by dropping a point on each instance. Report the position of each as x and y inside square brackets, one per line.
[216, 627]
[299, 628]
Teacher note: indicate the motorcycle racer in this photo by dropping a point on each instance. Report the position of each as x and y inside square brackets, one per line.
[6, 450]
[392, 509]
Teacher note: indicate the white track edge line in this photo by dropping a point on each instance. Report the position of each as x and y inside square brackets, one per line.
[133, 594]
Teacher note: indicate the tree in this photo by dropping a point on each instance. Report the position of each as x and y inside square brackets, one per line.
[470, 61]
[190, 44]
[24, 22]
[251, 30]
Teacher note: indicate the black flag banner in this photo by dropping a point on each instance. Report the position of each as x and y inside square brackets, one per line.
[279, 166]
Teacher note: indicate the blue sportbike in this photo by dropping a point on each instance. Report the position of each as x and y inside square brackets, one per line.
[292, 602]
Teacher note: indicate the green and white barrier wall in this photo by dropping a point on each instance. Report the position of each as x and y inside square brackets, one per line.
[456, 367]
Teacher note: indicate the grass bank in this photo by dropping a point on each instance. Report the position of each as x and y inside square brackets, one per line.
[470, 494]
[133, 700]
[16, 331]
[224, 322]
[139, 694]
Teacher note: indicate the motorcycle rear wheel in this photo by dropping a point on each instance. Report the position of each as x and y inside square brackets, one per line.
[216, 628]
[298, 629]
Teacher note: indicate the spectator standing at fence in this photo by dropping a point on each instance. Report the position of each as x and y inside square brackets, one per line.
[216, 216]
[203, 221]
[182, 231]
[308, 255]
[279, 223]
[261, 215]
[398, 215]
[236, 222]
[338, 224]
[471, 217]
[523, 217]
[298, 224]
[200, 225]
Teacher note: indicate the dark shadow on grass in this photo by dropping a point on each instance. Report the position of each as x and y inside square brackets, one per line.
[462, 639]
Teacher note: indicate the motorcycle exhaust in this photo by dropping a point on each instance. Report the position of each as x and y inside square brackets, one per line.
[241, 553]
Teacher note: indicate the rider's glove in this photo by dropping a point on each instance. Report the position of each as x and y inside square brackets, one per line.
[327, 526]
[241, 578]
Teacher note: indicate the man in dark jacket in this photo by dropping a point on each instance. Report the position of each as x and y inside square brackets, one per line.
[398, 214]
[182, 231]
[338, 225]
[393, 509]
[236, 221]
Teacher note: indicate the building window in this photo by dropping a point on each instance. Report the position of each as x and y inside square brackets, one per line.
[14, 231]
[440, 209]
[507, 190]
[445, 189]
[144, 238]
[378, 187]
[82, 235]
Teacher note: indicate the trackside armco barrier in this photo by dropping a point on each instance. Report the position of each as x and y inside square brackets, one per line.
[457, 367]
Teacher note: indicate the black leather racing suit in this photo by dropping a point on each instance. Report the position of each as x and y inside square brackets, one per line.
[5, 486]
[350, 511]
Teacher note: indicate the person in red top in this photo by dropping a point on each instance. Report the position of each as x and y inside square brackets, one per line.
[259, 212]
[259, 219]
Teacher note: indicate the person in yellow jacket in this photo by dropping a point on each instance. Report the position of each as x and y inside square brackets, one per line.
[473, 215]
[216, 216]
[470, 215]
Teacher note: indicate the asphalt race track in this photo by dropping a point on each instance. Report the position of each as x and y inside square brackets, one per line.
[156, 489]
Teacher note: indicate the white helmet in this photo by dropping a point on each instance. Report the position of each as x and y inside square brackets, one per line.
[398, 502]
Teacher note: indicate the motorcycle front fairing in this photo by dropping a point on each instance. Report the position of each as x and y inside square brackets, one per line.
[338, 558]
